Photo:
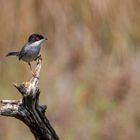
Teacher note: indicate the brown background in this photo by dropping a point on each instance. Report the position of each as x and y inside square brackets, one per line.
[90, 78]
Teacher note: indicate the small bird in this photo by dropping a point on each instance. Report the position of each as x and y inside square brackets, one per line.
[30, 51]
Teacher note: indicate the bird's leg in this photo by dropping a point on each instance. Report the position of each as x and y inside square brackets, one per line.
[30, 66]
[38, 58]
[31, 69]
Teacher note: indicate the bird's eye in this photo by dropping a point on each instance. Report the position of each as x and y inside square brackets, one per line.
[37, 38]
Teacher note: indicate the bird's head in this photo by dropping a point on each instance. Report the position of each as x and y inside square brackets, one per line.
[36, 39]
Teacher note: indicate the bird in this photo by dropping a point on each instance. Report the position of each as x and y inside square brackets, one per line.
[30, 51]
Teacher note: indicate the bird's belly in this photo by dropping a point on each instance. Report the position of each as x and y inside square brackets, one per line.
[30, 55]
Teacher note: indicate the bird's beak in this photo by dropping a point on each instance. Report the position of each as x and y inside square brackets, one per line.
[46, 38]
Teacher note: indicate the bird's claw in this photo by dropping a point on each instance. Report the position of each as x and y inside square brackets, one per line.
[38, 58]
[34, 75]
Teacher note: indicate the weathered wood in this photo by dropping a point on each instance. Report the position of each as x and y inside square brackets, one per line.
[28, 109]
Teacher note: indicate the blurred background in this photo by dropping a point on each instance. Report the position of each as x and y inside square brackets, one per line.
[90, 79]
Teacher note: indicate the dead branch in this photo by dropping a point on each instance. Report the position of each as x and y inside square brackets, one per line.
[28, 109]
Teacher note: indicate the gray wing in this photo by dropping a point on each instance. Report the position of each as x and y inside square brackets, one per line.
[22, 52]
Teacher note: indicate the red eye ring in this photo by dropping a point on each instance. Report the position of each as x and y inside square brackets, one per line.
[37, 38]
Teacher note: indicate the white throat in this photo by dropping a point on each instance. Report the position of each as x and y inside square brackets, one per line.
[38, 43]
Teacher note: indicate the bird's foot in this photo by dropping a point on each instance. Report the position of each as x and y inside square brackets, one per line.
[38, 58]
[34, 75]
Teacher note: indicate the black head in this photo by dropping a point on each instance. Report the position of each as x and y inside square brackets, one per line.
[35, 37]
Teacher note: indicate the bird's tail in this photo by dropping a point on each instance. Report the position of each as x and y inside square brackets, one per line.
[12, 54]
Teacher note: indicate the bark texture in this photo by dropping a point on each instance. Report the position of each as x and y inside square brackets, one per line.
[28, 109]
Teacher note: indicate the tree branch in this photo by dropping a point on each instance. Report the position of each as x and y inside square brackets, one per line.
[28, 109]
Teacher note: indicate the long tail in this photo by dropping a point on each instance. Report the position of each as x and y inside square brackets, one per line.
[13, 54]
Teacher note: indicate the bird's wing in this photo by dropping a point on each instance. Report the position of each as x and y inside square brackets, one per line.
[22, 52]
[21, 55]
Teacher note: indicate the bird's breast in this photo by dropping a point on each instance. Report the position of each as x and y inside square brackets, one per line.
[31, 53]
